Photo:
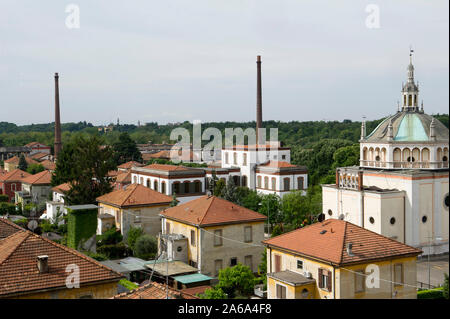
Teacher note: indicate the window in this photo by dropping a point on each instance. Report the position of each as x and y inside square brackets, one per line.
[392, 221]
[283, 157]
[325, 279]
[245, 159]
[330, 212]
[287, 183]
[167, 228]
[244, 180]
[197, 186]
[248, 234]
[187, 188]
[281, 292]
[300, 181]
[424, 219]
[149, 184]
[193, 238]
[226, 158]
[274, 183]
[259, 181]
[155, 185]
[446, 201]
[175, 188]
[218, 265]
[277, 263]
[163, 187]
[248, 261]
[359, 281]
[372, 220]
[266, 182]
[218, 237]
[235, 158]
[137, 218]
[398, 274]
[299, 264]
[233, 261]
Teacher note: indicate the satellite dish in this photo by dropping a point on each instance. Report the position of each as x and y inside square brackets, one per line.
[32, 225]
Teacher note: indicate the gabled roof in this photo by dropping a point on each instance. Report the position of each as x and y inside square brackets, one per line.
[15, 160]
[35, 143]
[7, 228]
[166, 167]
[42, 178]
[65, 187]
[134, 195]
[16, 175]
[154, 290]
[18, 266]
[130, 164]
[124, 178]
[327, 241]
[48, 165]
[39, 155]
[211, 210]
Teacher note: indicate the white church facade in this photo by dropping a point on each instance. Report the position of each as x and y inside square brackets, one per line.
[401, 187]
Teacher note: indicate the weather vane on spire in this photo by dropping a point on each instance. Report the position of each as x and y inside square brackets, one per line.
[411, 51]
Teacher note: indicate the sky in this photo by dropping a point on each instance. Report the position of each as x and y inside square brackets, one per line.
[185, 60]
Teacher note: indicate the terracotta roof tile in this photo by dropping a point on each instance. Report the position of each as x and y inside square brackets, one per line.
[15, 160]
[154, 290]
[42, 178]
[134, 195]
[7, 228]
[48, 165]
[277, 164]
[124, 178]
[16, 175]
[210, 210]
[38, 156]
[165, 167]
[65, 187]
[18, 266]
[328, 241]
[130, 164]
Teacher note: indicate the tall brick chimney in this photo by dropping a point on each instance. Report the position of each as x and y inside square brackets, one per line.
[258, 98]
[58, 144]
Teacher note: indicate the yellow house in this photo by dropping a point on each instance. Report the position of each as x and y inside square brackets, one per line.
[33, 267]
[218, 234]
[335, 259]
[135, 205]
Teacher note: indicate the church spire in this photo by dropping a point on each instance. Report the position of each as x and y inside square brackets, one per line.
[410, 90]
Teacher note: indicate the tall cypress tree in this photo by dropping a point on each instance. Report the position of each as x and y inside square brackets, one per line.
[23, 165]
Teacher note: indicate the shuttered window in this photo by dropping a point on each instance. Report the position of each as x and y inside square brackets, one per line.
[325, 279]
[281, 292]
[277, 263]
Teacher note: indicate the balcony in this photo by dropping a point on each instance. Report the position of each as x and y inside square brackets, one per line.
[405, 165]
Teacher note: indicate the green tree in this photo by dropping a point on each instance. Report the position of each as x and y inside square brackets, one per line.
[133, 234]
[145, 247]
[125, 149]
[84, 163]
[236, 280]
[174, 201]
[213, 293]
[445, 291]
[229, 191]
[35, 168]
[23, 165]
[218, 189]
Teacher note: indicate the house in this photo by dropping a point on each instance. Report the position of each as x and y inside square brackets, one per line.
[37, 147]
[13, 163]
[154, 290]
[35, 189]
[336, 259]
[186, 183]
[48, 165]
[213, 234]
[136, 206]
[10, 182]
[57, 203]
[125, 167]
[122, 180]
[41, 156]
[33, 267]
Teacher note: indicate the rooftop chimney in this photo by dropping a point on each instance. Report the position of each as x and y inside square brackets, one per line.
[349, 249]
[42, 263]
[258, 98]
[57, 145]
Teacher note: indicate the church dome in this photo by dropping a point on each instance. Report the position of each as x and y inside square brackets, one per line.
[409, 126]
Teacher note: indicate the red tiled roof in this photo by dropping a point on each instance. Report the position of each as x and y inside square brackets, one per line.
[7, 228]
[48, 165]
[195, 290]
[15, 160]
[130, 164]
[62, 188]
[328, 241]
[39, 155]
[154, 290]
[256, 147]
[42, 178]
[124, 178]
[35, 143]
[210, 210]
[16, 175]
[277, 164]
[18, 266]
[165, 167]
[134, 195]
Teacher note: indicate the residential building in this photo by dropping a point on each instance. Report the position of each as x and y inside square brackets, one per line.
[41, 156]
[33, 267]
[154, 290]
[35, 189]
[217, 234]
[13, 163]
[48, 165]
[10, 182]
[56, 205]
[37, 147]
[336, 259]
[122, 180]
[401, 187]
[125, 167]
[136, 206]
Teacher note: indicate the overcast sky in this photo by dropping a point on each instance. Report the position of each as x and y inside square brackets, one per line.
[177, 60]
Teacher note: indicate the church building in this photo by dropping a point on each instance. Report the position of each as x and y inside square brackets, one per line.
[401, 187]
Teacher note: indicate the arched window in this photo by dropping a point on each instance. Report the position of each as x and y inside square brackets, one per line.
[163, 187]
[186, 187]
[155, 185]
[258, 181]
[300, 181]
[226, 157]
[274, 183]
[235, 158]
[287, 183]
[149, 184]
[266, 182]
[197, 186]
[176, 188]
[244, 180]
[410, 100]
[425, 155]
[365, 153]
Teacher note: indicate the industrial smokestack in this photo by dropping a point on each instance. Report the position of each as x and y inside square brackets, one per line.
[57, 144]
[258, 99]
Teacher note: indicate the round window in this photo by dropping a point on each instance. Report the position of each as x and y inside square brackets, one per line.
[321, 217]
[305, 293]
[392, 220]
[179, 248]
[372, 220]
[446, 201]
[445, 159]
[341, 216]
[424, 219]
[330, 212]
[377, 158]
